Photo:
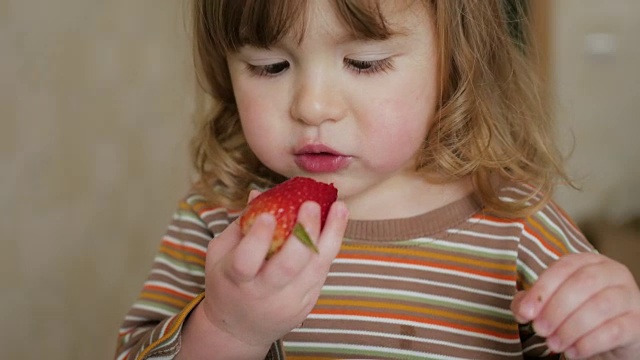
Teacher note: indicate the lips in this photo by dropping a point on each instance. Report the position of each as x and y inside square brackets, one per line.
[318, 158]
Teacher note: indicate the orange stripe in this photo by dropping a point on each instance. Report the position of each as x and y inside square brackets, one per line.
[164, 299]
[547, 234]
[182, 257]
[432, 255]
[542, 240]
[168, 291]
[495, 219]
[421, 310]
[173, 326]
[429, 264]
[183, 248]
[509, 336]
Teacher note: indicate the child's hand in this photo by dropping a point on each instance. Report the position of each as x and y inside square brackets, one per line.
[257, 301]
[587, 306]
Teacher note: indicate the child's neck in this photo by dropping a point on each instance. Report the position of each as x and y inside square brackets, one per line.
[418, 198]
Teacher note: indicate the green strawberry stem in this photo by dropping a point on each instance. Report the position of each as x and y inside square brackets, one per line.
[303, 236]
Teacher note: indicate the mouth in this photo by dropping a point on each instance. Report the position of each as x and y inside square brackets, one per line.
[319, 158]
[317, 149]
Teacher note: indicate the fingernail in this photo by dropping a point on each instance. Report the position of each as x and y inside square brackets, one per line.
[527, 309]
[571, 353]
[553, 343]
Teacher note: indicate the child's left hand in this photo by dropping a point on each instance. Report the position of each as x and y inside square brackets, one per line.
[587, 306]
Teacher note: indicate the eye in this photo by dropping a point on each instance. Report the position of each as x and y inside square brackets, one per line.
[269, 69]
[368, 66]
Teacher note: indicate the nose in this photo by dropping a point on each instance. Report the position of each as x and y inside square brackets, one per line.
[317, 99]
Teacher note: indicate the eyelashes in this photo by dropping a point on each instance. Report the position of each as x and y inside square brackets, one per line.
[357, 66]
[369, 66]
[268, 70]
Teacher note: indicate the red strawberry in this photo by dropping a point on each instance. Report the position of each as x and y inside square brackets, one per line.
[283, 201]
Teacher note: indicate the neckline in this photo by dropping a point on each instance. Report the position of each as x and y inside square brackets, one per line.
[426, 224]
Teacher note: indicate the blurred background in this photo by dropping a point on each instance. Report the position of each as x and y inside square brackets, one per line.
[97, 101]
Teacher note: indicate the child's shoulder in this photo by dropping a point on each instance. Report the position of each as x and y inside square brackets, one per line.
[197, 207]
[548, 223]
[549, 209]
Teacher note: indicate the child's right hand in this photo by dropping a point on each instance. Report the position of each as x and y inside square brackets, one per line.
[257, 301]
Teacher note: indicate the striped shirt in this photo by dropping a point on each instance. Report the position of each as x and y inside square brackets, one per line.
[433, 286]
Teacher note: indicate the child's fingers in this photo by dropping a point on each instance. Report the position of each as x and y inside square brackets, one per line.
[543, 289]
[617, 338]
[333, 231]
[292, 258]
[591, 282]
[590, 317]
[515, 306]
[247, 257]
[582, 286]
[222, 244]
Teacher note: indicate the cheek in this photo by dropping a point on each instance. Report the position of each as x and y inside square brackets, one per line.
[399, 129]
[396, 143]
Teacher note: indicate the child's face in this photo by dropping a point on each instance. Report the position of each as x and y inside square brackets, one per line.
[352, 112]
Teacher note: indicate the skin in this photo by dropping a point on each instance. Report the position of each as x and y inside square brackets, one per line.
[319, 91]
[586, 305]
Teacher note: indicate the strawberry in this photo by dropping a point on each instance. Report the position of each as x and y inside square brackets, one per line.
[283, 202]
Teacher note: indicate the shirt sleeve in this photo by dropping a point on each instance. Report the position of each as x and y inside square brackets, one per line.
[547, 235]
[175, 285]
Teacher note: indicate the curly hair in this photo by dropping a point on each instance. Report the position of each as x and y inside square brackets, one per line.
[490, 124]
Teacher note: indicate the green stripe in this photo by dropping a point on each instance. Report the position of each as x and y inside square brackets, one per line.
[367, 352]
[187, 267]
[185, 214]
[157, 305]
[409, 298]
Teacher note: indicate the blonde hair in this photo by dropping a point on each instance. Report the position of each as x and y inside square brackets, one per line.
[490, 125]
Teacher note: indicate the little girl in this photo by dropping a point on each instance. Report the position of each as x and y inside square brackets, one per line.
[443, 244]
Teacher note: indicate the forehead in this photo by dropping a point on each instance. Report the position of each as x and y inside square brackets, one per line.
[277, 20]
[376, 20]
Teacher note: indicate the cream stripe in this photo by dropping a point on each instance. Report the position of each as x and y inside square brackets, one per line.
[217, 223]
[180, 269]
[385, 292]
[170, 287]
[378, 349]
[188, 244]
[186, 231]
[370, 319]
[177, 279]
[124, 354]
[473, 248]
[562, 236]
[531, 275]
[423, 268]
[402, 337]
[155, 309]
[533, 255]
[213, 212]
[191, 218]
[535, 240]
[420, 281]
[482, 235]
[571, 229]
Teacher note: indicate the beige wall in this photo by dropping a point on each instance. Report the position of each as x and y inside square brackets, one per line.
[95, 106]
[599, 99]
[95, 112]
